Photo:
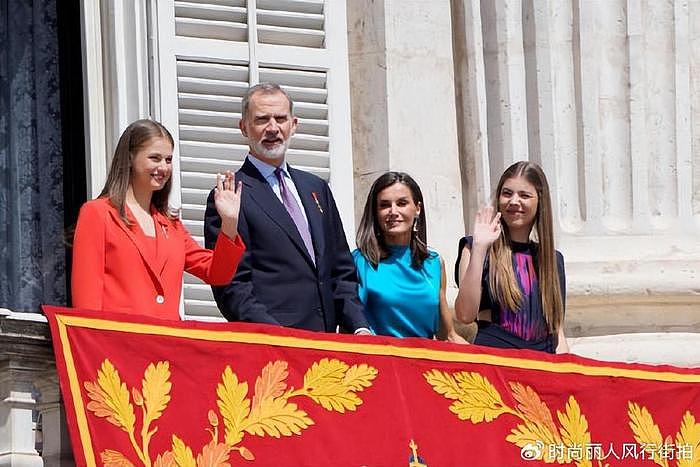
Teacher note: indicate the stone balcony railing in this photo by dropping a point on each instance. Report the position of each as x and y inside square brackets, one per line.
[33, 431]
[32, 419]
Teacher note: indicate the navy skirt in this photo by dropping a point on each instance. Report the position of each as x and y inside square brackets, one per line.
[493, 335]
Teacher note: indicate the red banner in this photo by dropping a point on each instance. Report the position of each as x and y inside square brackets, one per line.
[140, 391]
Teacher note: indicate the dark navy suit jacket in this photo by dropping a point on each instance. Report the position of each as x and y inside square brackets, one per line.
[276, 281]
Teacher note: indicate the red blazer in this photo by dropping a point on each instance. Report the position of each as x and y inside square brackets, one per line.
[111, 272]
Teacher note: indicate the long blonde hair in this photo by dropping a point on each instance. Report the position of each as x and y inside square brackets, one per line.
[502, 279]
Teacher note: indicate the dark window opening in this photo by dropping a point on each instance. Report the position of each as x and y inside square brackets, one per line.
[72, 120]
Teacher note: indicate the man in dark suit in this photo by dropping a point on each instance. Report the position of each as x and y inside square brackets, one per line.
[297, 270]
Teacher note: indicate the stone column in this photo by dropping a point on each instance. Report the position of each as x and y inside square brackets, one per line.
[635, 259]
[550, 49]
[403, 107]
[56, 448]
[471, 106]
[17, 403]
[504, 67]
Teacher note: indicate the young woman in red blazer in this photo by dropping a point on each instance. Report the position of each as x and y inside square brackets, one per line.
[130, 250]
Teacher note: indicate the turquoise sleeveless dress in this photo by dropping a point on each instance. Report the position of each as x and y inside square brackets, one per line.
[399, 300]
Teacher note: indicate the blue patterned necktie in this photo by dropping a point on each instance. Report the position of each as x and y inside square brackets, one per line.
[294, 210]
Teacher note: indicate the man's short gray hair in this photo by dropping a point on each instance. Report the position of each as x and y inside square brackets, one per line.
[265, 88]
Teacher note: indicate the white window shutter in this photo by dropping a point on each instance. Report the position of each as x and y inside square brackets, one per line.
[223, 19]
[291, 22]
[209, 53]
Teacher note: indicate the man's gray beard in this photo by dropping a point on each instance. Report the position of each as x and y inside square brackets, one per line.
[277, 152]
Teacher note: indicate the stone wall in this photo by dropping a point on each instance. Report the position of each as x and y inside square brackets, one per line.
[403, 107]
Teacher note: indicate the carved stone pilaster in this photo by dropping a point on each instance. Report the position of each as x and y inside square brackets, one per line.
[17, 403]
[56, 450]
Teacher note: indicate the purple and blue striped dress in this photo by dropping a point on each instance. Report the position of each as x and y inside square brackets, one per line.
[525, 327]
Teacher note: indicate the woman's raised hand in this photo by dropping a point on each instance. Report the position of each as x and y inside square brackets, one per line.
[228, 202]
[487, 226]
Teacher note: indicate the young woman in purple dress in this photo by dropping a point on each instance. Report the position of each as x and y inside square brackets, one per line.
[511, 279]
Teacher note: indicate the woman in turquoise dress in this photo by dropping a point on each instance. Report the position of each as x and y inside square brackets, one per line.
[402, 282]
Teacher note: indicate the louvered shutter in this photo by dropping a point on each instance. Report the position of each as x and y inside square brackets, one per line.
[210, 52]
[290, 22]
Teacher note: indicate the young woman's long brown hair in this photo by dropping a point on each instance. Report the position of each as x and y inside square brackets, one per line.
[370, 239]
[136, 135]
[502, 279]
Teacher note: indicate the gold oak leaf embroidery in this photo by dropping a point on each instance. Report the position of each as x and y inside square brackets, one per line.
[574, 431]
[165, 460]
[530, 433]
[539, 427]
[214, 454]
[532, 407]
[322, 383]
[111, 458]
[233, 405]
[646, 432]
[329, 382]
[359, 377]
[270, 413]
[477, 400]
[689, 436]
[155, 388]
[277, 417]
[332, 384]
[648, 435]
[182, 453]
[110, 398]
[271, 382]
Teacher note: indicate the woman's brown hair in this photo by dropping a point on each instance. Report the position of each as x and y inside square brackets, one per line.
[136, 136]
[370, 240]
[502, 279]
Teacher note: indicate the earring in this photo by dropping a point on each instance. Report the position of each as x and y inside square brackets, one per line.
[415, 224]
